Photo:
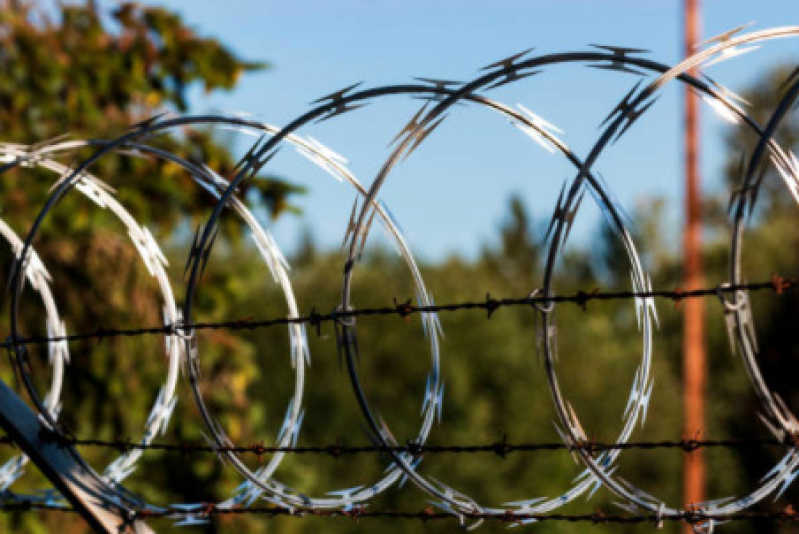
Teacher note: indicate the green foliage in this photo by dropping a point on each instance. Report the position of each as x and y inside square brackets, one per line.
[83, 75]
[80, 74]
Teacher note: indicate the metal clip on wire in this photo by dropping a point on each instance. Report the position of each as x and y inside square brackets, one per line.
[182, 330]
[343, 317]
[728, 306]
[537, 303]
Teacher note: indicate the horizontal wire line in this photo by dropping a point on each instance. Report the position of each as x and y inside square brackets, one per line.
[210, 510]
[499, 448]
[581, 298]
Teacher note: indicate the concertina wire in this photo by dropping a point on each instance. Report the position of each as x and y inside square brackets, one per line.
[439, 97]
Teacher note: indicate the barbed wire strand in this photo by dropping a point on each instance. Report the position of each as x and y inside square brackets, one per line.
[581, 298]
[500, 448]
[211, 509]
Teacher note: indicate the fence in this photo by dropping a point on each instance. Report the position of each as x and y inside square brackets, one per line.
[104, 503]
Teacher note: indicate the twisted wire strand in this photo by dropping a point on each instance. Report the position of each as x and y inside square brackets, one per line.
[208, 511]
[434, 389]
[499, 448]
[582, 298]
[259, 482]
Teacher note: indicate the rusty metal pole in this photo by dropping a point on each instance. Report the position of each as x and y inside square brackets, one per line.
[694, 356]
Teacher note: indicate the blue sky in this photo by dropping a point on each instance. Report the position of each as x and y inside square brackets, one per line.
[451, 195]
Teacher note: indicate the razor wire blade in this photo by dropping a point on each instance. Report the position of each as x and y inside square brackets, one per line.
[182, 348]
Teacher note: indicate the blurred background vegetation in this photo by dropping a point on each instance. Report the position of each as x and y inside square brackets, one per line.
[92, 74]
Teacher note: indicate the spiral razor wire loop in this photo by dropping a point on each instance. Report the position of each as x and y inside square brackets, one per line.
[532, 125]
[182, 343]
[635, 104]
[153, 258]
[260, 482]
[601, 467]
[277, 492]
[739, 318]
[159, 416]
[452, 500]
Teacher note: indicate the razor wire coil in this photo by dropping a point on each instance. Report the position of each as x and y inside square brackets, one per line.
[600, 459]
